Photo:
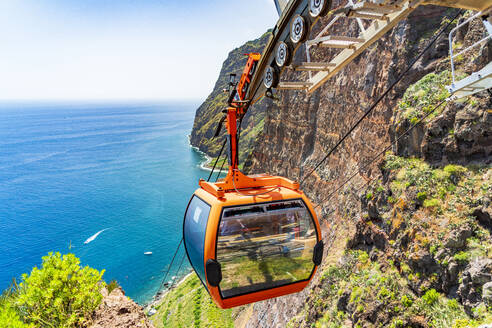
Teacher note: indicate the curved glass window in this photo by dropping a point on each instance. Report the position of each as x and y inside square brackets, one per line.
[195, 226]
[264, 246]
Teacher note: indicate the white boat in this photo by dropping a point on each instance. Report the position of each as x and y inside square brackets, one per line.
[148, 253]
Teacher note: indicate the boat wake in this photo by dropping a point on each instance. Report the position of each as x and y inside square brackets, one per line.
[94, 236]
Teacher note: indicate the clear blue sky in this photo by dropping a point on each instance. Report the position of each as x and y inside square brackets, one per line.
[121, 49]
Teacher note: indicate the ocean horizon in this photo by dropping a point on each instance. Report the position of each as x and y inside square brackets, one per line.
[105, 181]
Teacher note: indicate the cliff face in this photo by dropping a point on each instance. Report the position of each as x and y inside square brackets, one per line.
[209, 113]
[300, 129]
[407, 240]
[118, 311]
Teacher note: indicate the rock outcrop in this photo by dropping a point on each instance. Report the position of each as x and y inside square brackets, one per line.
[416, 223]
[118, 311]
[209, 113]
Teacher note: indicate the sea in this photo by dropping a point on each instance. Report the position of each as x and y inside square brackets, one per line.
[105, 181]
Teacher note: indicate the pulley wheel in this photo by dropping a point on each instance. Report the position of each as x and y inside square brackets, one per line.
[270, 80]
[283, 55]
[319, 7]
[298, 29]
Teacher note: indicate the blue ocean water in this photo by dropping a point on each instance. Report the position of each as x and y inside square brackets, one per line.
[69, 171]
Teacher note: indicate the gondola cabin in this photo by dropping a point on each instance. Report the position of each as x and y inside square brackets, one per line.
[247, 248]
[250, 238]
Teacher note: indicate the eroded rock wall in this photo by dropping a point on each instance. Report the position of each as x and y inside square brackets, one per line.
[300, 129]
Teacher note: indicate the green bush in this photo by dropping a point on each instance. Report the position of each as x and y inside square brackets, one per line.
[363, 257]
[61, 293]
[454, 170]
[453, 304]
[430, 297]
[406, 301]
[113, 284]
[356, 294]
[422, 96]
[383, 293]
[461, 257]
[421, 196]
[10, 318]
[434, 202]
[414, 120]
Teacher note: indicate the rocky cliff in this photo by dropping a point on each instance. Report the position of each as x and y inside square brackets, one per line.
[408, 239]
[209, 113]
[119, 311]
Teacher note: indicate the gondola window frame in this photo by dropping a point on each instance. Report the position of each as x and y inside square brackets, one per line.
[199, 266]
[306, 207]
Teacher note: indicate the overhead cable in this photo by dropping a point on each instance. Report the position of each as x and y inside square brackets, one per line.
[373, 106]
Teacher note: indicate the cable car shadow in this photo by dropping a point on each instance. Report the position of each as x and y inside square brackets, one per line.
[266, 272]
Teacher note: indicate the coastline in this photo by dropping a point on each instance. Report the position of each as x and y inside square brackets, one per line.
[160, 294]
[207, 159]
[163, 293]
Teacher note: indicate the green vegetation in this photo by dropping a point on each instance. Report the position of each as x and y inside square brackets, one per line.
[434, 203]
[197, 309]
[113, 284]
[437, 188]
[427, 207]
[189, 305]
[222, 162]
[406, 301]
[210, 112]
[421, 196]
[430, 297]
[450, 195]
[422, 96]
[10, 318]
[368, 283]
[59, 294]
[249, 135]
[462, 257]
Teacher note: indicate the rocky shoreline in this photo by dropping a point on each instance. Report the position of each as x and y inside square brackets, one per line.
[159, 296]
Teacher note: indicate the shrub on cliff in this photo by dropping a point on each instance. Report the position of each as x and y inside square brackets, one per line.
[59, 294]
[10, 318]
[423, 95]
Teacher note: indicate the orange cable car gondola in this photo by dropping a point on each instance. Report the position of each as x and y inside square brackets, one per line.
[250, 238]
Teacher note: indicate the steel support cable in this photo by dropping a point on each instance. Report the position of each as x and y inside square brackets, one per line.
[220, 153]
[373, 106]
[169, 268]
[220, 171]
[379, 154]
[179, 268]
[239, 138]
[234, 170]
